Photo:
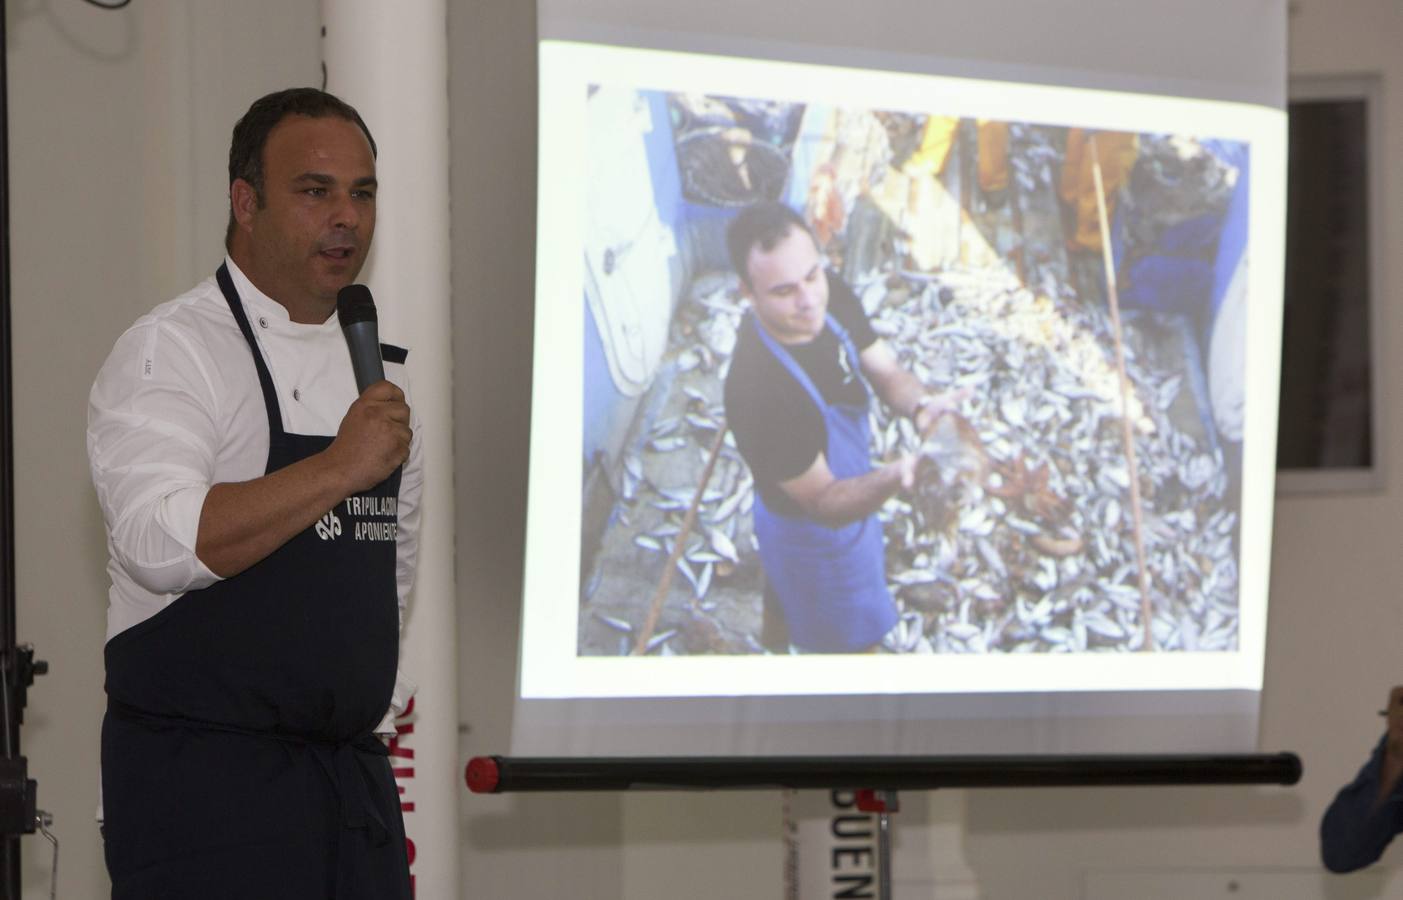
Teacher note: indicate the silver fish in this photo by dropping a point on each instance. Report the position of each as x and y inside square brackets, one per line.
[660, 639]
[615, 623]
[668, 444]
[703, 581]
[723, 545]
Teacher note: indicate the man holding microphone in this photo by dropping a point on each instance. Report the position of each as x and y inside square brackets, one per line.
[262, 524]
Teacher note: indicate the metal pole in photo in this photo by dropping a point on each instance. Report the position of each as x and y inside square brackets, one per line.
[650, 624]
[1127, 435]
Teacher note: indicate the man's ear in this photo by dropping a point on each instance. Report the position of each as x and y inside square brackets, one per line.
[243, 200]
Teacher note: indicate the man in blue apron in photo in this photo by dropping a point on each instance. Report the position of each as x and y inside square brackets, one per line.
[262, 523]
[797, 397]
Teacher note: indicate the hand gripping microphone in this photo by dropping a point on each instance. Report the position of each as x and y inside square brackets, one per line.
[356, 312]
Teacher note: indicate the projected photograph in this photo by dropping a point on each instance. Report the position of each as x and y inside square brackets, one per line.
[869, 380]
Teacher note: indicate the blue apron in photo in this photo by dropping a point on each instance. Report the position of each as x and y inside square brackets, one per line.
[831, 582]
[238, 754]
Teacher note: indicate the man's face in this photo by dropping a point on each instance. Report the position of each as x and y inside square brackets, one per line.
[311, 236]
[788, 288]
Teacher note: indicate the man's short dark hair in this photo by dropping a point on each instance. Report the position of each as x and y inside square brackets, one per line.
[766, 224]
[251, 133]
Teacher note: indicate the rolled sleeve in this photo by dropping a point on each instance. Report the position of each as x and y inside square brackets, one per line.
[154, 543]
[151, 447]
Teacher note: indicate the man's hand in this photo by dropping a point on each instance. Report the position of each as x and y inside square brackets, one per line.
[1392, 767]
[373, 439]
[930, 407]
[906, 465]
[902, 391]
[1394, 711]
[241, 523]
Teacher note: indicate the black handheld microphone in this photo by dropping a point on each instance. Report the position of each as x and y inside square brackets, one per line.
[356, 312]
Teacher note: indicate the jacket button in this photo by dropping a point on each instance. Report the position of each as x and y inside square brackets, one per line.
[262, 322]
[297, 394]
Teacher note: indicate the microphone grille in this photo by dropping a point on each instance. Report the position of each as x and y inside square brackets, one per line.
[354, 304]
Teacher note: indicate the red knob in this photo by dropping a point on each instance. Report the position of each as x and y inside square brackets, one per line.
[482, 775]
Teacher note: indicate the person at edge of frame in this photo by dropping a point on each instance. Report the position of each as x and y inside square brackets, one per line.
[797, 396]
[262, 522]
[1366, 813]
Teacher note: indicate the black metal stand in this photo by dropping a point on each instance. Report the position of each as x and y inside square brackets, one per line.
[18, 792]
[15, 791]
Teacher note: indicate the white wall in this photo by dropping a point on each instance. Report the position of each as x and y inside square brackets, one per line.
[119, 141]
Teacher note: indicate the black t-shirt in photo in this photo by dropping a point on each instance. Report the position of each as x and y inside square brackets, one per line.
[778, 429]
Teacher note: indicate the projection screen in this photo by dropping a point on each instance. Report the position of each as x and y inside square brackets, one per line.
[1080, 563]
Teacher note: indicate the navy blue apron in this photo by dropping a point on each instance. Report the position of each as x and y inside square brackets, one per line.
[831, 582]
[238, 754]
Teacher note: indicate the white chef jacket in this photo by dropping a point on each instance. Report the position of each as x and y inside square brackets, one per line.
[177, 408]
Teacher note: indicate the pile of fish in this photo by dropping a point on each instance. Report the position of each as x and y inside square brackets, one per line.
[1030, 548]
[713, 602]
[1036, 552]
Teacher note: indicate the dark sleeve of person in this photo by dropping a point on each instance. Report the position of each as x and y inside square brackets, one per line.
[1355, 830]
[778, 429]
[846, 307]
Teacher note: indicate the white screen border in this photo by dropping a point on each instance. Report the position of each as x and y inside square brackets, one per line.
[550, 667]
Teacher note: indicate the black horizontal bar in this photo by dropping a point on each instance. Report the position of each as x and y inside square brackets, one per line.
[496, 774]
